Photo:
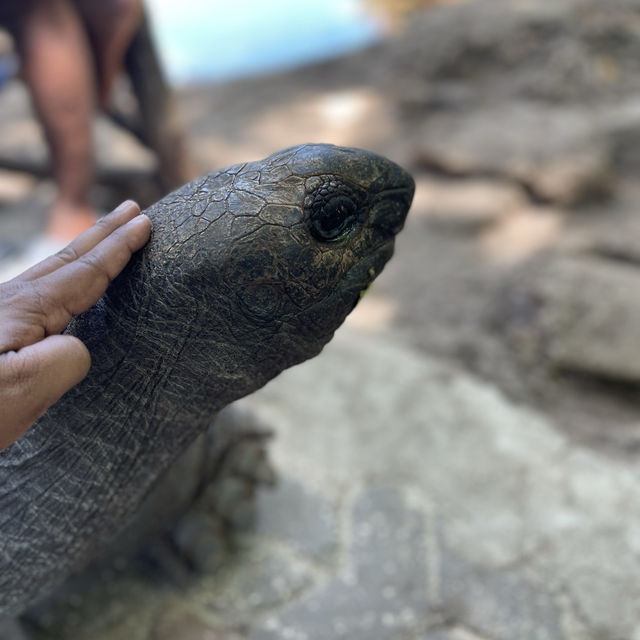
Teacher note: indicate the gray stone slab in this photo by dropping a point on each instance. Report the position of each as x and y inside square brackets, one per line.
[381, 592]
[260, 578]
[439, 635]
[466, 207]
[301, 518]
[575, 50]
[178, 623]
[499, 604]
[587, 315]
[454, 633]
[568, 165]
[542, 526]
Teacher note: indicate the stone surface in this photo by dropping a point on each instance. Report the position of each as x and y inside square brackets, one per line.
[501, 604]
[466, 206]
[303, 519]
[619, 241]
[522, 235]
[570, 51]
[569, 164]
[260, 578]
[519, 543]
[456, 633]
[585, 315]
[176, 623]
[381, 591]
[545, 93]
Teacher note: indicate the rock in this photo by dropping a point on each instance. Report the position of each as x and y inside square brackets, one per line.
[456, 633]
[382, 591]
[622, 123]
[571, 51]
[501, 604]
[262, 577]
[586, 315]
[465, 206]
[619, 242]
[525, 233]
[175, 622]
[524, 532]
[303, 519]
[542, 93]
[558, 155]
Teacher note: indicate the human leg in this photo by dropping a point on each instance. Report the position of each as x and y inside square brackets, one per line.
[111, 25]
[56, 63]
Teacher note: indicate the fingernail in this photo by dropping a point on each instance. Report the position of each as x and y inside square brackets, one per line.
[127, 204]
[141, 217]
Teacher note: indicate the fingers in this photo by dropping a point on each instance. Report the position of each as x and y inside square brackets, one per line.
[36, 372]
[84, 242]
[35, 308]
[34, 378]
[76, 286]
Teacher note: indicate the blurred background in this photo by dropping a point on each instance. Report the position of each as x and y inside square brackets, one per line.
[502, 434]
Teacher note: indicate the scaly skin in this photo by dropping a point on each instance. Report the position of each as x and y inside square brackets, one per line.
[248, 271]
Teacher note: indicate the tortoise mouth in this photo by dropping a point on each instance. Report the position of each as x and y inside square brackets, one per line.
[358, 279]
[326, 315]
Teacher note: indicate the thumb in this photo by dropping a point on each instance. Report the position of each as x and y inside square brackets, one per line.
[34, 378]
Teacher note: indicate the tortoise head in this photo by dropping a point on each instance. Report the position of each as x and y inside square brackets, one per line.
[265, 260]
[325, 231]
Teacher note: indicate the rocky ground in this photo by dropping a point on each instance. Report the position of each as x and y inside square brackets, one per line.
[461, 462]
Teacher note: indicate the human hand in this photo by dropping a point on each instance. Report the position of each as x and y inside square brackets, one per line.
[37, 365]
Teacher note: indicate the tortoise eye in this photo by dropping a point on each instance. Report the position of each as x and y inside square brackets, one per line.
[335, 218]
[335, 209]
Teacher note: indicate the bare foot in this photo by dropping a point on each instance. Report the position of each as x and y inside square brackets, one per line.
[67, 221]
[112, 25]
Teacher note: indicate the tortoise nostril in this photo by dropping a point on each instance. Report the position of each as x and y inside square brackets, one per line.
[390, 213]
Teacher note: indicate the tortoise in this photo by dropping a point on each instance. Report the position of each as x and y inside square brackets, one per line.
[249, 270]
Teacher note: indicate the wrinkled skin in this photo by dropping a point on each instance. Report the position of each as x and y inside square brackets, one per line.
[248, 271]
